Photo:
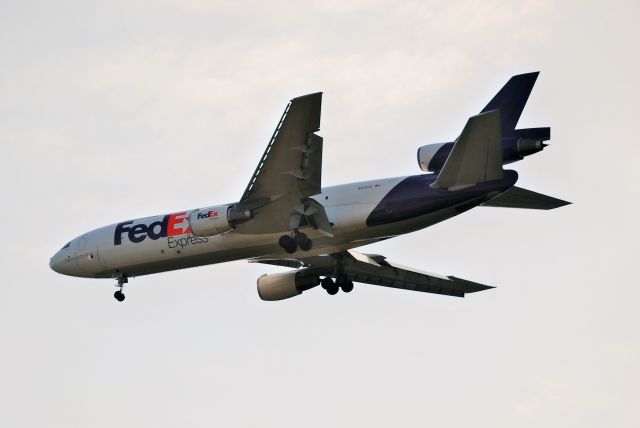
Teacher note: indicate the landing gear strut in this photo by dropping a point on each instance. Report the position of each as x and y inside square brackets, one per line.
[122, 279]
[291, 244]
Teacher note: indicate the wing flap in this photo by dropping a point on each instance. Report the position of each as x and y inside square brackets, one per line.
[292, 161]
[288, 174]
[392, 275]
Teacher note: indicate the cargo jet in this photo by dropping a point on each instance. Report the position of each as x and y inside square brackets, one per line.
[286, 218]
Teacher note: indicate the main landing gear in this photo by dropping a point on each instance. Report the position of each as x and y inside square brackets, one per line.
[291, 244]
[340, 283]
[122, 279]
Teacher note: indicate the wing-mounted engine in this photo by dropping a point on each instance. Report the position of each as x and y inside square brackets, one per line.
[279, 286]
[217, 219]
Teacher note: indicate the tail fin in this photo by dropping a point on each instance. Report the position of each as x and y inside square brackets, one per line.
[476, 156]
[511, 99]
[517, 197]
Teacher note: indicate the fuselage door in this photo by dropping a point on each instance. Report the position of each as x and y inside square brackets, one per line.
[82, 243]
[85, 256]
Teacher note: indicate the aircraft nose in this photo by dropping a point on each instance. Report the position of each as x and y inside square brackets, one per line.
[57, 263]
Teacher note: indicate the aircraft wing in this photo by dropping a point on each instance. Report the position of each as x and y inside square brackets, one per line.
[377, 270]
[288, 173]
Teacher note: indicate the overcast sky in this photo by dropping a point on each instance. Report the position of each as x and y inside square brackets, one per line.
[125, 109]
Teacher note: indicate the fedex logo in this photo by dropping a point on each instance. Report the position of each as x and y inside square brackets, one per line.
[208, 214]
[170, 225]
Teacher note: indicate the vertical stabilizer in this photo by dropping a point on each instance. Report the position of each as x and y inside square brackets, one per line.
[511, 99]
[477, 155]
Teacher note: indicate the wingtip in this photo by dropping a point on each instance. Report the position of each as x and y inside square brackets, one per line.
[471, 286]
[528, 79]
[481, 287]
[529, 74]
[315, 94]
[559, 203]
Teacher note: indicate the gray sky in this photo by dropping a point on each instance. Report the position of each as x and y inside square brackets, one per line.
[125, 109]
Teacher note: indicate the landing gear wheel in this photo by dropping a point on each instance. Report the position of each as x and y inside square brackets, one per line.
[331, 287]
[326, 282]
[122, 280]
[288, 244]
[347, 286]
[303, 241]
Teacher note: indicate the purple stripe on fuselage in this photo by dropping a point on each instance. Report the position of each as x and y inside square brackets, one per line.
[413, 197]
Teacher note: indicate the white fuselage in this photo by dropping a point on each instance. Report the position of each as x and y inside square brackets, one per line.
[102, 252]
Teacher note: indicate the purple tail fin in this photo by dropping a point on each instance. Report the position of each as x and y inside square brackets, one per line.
[511, 99]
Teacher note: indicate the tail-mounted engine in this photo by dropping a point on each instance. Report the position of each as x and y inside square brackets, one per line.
[520, 143]
[217, 219]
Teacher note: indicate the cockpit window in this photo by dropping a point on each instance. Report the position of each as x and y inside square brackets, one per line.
[66, 245]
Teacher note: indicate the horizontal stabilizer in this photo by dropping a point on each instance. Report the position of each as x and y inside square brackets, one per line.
[517, 197]
[476, 156]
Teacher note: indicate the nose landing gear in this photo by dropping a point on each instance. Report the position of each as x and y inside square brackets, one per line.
[122, 279]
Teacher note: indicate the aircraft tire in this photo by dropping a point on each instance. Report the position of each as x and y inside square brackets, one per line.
[119, 295]
[326, 282]
[288, 244]
[303, 241]
[347, 286]
[307, 245]
[333, 289]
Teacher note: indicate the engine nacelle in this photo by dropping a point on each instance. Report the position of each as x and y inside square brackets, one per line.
[279, 286]
[432, 156]
[217, 219]
[515, 147]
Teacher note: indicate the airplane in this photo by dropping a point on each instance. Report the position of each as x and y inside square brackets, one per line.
[286, 218]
